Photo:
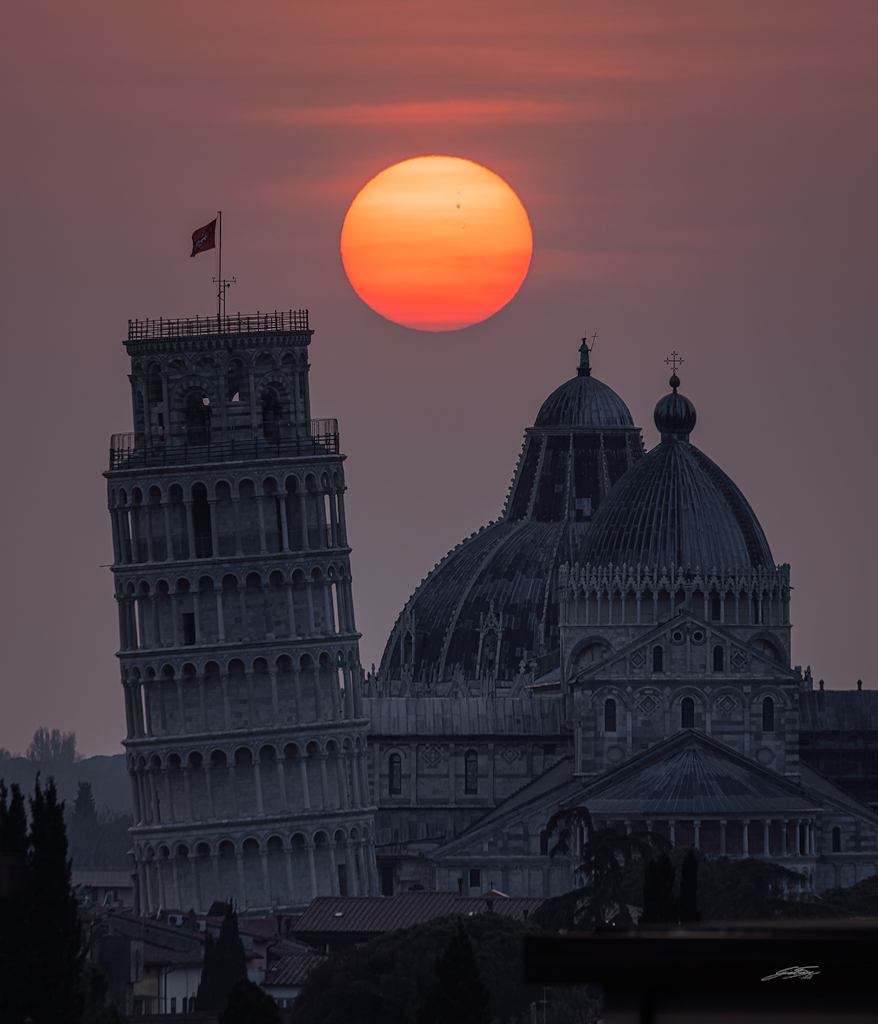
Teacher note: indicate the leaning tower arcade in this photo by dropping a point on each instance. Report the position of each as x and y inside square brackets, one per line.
[246, 738]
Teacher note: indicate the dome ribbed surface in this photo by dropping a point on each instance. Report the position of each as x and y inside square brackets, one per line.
[584, 402]
[675, 507]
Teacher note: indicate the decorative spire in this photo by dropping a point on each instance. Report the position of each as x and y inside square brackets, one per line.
[674, 360]
[584, 363]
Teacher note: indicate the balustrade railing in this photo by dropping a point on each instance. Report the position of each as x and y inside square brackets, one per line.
[130, 451]
[277, 322]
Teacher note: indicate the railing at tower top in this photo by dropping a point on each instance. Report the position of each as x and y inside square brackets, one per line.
[129, 451]
[283, 321]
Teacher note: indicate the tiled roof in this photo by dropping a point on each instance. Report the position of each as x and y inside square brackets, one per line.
[698, 780]
[110, 878]
[292, 969]
[834, 710]
[463, 716]
[374, 915]
[157, 955]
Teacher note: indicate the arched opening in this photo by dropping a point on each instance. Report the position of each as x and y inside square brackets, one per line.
[197, 417]
[718, 658]
[201, 522]
[272, 415]
[471, 772]
[658, 659]
[768, 715]
[394, 768]
[836, 840]
[687, 713]
[609, 715]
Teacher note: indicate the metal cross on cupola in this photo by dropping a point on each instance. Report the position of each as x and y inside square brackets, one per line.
[674, 360]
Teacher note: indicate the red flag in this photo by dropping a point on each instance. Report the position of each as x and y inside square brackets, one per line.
[204, 238]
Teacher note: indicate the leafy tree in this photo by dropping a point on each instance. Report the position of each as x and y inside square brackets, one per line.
[659, 902]
[601, 857]
[860, 899]
[249, 1004]
[461, 996]
[54, 748]
[95, 985]
[393, 977]
[225, 963]
[689, 888]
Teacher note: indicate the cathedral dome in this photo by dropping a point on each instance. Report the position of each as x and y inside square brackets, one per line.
[676, 507]
[492, 602]
[584, 401]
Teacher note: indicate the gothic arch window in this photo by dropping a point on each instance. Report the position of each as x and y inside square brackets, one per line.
[471, 772]
[768, 715]
[395, 774]
[836, 840]
[718, 658]
[658, 658]
[609, 715]
[687, 713]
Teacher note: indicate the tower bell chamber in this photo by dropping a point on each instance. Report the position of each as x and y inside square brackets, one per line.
[246, 740]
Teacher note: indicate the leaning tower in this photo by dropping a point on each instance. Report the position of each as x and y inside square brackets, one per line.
[246, 738]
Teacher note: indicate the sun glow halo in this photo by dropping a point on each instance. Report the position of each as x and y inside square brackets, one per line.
[436, 243]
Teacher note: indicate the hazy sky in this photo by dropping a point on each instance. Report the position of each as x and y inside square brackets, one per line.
[699, 176]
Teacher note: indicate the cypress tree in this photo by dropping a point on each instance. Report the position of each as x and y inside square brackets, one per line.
[14, 893]
[689, 888]
[461, 995]
[224, 964]
[55, 957]
[659, 905]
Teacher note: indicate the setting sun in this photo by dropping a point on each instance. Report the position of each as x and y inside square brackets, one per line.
[436, 243]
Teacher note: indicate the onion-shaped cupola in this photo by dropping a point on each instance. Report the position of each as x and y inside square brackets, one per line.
[491, 603]
[676, 507]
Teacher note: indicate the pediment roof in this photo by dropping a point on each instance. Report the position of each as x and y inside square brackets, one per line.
[645, 641]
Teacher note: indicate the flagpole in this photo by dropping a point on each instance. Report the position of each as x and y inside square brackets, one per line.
[219, 294]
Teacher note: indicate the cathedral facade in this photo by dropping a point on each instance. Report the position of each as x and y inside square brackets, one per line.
[662, 655]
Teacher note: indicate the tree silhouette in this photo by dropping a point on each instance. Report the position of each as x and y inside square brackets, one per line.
[689, 888]
[225, 963]
[55, 747]
[461, 995]
[659, 904]
[249, 1004]
[601, 856]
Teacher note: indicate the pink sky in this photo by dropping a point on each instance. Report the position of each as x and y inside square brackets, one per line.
[699, 176]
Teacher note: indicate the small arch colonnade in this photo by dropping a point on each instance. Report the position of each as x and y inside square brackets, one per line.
[265, 870]
[767, 705]
[617, 595]
[233, 517]
[221, 607]
[219, 695]
[246, 780]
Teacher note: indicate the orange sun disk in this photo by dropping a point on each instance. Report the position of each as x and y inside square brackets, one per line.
[436, 243]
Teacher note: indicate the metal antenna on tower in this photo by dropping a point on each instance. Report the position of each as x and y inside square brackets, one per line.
[224, 284]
